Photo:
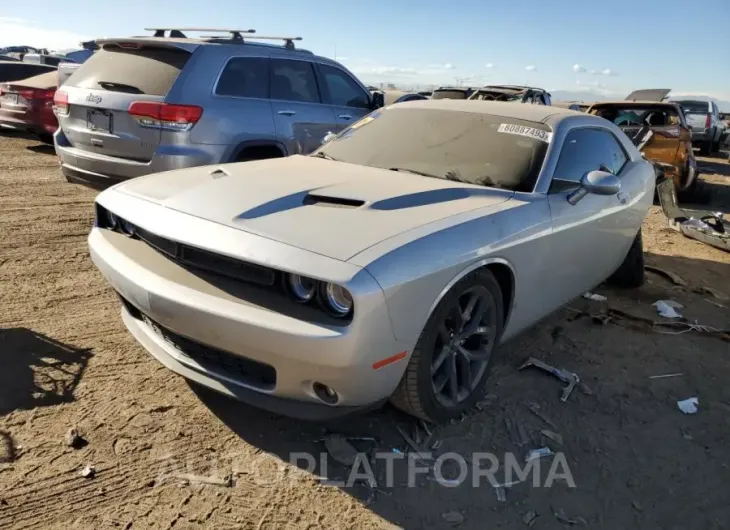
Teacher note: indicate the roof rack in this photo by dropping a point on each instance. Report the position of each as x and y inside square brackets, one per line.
[177, 33]
[237, 35]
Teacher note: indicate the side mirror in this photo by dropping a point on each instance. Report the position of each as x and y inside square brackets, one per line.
[378, 100]
[597, 183]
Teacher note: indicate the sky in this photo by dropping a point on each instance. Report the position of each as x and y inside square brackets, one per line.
[605, 48]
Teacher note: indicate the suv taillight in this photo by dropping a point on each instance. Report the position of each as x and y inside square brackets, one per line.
[60, 103]
[708, 121]
[165, 116]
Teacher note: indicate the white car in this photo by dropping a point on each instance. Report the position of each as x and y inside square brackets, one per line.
[389, 264]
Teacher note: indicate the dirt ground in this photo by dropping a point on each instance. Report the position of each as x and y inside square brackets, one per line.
[67, 361]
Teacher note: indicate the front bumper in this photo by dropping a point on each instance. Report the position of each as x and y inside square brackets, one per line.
[300, 352]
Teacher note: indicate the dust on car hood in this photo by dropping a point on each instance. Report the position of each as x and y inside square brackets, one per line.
[331, 208]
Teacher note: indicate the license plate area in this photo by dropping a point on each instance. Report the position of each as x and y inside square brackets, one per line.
[10, 99]
[99, 120]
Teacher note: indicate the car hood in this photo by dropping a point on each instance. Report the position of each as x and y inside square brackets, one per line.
[332, 208]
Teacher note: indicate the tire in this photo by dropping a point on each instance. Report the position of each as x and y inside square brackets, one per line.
[416, 393]
[630, 274]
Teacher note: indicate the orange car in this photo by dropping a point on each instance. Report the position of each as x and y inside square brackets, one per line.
[670, 141]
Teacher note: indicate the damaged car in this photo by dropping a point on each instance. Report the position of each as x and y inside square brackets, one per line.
[512, 93]
[389, 264]
[659, 128]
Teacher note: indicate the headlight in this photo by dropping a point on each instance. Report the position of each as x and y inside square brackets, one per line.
[337, 299]
[301, 287]
[126, 227]
[111, 219]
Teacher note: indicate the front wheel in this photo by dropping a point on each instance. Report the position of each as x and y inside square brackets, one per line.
[448, 369]
[630, 274]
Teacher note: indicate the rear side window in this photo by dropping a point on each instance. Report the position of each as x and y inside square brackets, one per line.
[150, 71]
[587, 150]
[18, 71]
[245, 77]
[344, 91]
[293, 81]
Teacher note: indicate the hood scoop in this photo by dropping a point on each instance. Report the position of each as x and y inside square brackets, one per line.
[312, 199]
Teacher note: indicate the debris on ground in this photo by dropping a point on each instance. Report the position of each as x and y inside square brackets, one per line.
[535, 409]
[689, 405]
[555, 437]
[530, 518]
[560, 516]
[637, 506]
[89, 471]
[226, 481]
[669, 275]
[453, 517]
[501, 494]
[340, 449]
[569, 378]
[538, 453]
[595, 297]
[665, 376]
[74, 439]
[667, 308]
[716, 304]
[418, 451]
[703, 289]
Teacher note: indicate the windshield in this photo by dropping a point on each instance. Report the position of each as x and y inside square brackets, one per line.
[449, 94]
[638, 116]
[695, 107]
[495, 95]
[467, 147]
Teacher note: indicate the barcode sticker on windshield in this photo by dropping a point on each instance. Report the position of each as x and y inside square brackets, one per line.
[530, 132]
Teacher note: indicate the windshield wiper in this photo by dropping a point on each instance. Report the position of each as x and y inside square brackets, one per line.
[322, 154]
[416, 172]
[121, 87]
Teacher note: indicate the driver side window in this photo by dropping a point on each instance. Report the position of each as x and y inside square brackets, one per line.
[344, 91]
[586, 150]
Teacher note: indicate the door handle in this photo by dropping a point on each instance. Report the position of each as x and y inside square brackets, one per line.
[623, 198]
[345, 117]
[287, 112]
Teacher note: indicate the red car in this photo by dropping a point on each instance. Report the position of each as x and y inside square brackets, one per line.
[27, 105]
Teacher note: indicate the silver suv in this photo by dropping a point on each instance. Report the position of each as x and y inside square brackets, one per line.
[143, 105]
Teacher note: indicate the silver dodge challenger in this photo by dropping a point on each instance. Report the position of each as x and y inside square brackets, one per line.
[389, 264]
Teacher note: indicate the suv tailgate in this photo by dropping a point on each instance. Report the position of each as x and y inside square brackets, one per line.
[696, 113]
[102, 89]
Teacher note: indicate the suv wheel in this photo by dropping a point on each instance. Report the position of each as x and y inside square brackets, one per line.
[448, 369]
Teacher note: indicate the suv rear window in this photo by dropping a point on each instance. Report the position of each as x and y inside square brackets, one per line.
[18, 71]
[147, 70]
[695, 107]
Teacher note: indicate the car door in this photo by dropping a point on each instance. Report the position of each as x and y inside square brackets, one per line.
[349, 100]
[591, 237]
[300, 118]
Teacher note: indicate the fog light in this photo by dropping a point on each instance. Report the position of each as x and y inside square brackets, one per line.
[325, 393]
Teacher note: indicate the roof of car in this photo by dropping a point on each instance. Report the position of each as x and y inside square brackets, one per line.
[254, 40]
[536, 113]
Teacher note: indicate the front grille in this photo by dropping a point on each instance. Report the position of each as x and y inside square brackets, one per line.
[250, 372]
[207, 261]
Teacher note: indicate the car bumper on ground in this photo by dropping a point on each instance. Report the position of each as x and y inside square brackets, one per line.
[267, 359]
[100, 171]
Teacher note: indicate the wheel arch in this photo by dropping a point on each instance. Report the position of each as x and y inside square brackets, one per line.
[254, 144]
[503, 272]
